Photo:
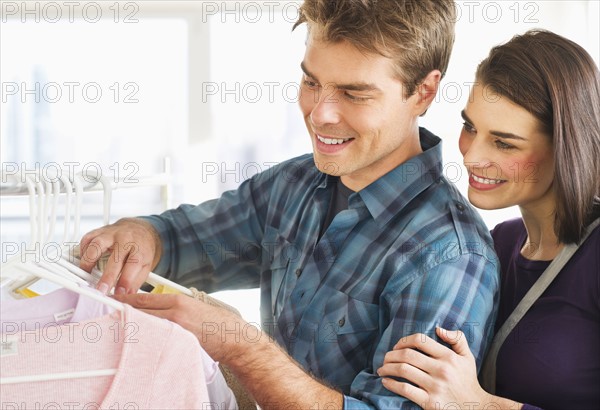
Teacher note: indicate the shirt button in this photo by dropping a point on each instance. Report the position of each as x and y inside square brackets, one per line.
[460, 206]
[342, 321]
[298, 272]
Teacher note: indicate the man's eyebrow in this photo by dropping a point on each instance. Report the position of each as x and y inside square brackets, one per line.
[308, 73]
[346, 87]
[465, 117]
[506, 135]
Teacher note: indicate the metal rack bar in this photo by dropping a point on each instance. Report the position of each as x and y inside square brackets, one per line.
[19, 188]
[15, 185]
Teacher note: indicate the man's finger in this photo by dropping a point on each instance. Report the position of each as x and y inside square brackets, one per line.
[83, 246]
[91, 249]
[132, 276]
[112, 270]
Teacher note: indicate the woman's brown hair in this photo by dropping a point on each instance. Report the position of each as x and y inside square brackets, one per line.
[557, 81]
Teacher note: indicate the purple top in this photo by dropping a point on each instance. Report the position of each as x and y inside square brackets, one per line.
[551, 359]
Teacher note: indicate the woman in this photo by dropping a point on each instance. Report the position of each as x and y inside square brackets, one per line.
[531, 138]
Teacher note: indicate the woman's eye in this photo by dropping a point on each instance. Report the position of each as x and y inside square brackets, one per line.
[503, 145]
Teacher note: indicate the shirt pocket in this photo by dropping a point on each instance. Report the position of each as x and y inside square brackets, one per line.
[281, 254]
[347, 335]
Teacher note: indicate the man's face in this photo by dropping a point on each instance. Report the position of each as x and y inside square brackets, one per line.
[360, 123]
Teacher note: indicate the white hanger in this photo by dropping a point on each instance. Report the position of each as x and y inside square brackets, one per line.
[32, 216]
[107, 198]
[60, 267]
[41, 209]
[67, 262]
[38, 218]
[57, 376]
[68, 192]
[40, 272]
[19, 265]
[78, 184]
[55, 272]
[155, 280]
[33, 234]
[62, 273]
[55, 185]
[63, 265]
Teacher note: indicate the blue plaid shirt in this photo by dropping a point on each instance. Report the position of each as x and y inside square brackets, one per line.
[408, 254]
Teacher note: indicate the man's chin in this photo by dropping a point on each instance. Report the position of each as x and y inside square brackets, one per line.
[329, 167]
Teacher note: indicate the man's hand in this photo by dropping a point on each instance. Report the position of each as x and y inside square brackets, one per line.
[266, 371]
[134, 247]
[218, 330]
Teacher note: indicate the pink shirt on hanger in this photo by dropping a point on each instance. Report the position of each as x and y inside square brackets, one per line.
[55, 308]
[158, 364]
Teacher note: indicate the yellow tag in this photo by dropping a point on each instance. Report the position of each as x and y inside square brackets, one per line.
[164, 290]
[25, 292]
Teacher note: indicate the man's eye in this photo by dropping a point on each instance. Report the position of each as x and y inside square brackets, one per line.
[355, 98]
[469, 128]
[310, 83]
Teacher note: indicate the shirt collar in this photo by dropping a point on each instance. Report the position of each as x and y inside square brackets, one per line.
[388, 195]
[325, 180]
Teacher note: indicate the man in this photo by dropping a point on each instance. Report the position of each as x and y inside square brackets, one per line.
[353, 247]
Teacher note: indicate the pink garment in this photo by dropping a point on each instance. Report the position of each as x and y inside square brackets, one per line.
[158, 364]
[55, 308]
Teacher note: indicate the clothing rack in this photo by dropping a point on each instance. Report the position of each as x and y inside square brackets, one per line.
[18, 187]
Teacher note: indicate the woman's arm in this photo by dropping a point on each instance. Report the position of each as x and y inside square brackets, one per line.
[440, 376]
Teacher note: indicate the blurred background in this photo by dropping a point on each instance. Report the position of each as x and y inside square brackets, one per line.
[204, 90]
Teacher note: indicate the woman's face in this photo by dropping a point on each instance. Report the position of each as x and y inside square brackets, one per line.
[507, 155]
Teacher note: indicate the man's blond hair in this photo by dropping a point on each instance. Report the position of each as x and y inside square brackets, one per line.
[417, 34]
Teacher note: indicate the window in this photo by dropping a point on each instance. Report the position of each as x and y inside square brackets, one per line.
[107, 97]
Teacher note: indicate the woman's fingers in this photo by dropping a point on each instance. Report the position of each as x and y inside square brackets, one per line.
[456, 339]
[422, 343]
[412, 393]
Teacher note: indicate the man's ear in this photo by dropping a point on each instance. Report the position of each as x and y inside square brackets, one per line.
[427, 90]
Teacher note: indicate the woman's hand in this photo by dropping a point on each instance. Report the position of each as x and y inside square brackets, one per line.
[441, 376]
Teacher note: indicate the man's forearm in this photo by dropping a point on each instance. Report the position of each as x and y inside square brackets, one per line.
[276, 381]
